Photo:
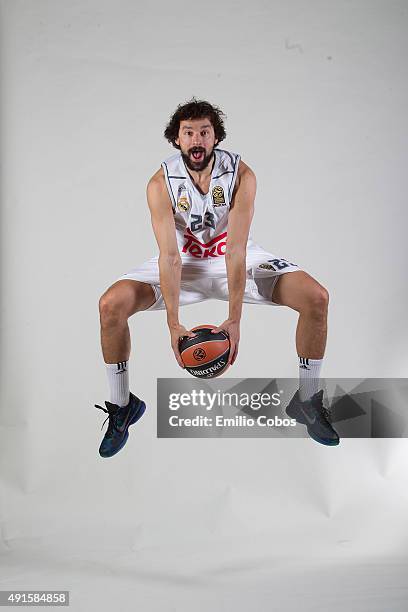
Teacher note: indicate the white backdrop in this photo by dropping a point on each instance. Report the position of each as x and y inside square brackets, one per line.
[315, 95]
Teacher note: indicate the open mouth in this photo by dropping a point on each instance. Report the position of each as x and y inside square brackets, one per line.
[197, 155]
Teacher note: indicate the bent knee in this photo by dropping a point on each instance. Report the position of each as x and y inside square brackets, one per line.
[111, 308]
[317, 300]
[124, 299]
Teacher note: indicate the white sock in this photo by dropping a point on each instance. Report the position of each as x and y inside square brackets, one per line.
[118, 379]
[309, 374]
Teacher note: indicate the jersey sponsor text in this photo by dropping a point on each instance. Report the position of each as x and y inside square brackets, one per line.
[214, 248]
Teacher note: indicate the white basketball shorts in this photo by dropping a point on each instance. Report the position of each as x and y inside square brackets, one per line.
[205, 279]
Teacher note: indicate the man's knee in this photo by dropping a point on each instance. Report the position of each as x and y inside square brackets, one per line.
[316, 300]
[124, 299]
[111, 308]
[302, 292]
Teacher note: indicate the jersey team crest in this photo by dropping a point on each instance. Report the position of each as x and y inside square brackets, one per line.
[183, 203]
[218, 196]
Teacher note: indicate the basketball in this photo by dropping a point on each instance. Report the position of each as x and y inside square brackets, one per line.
[206, 355]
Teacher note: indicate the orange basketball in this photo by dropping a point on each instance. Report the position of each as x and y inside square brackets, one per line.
[205, 355]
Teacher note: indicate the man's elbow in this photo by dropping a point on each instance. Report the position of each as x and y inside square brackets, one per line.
[235, 252]
[172, 259]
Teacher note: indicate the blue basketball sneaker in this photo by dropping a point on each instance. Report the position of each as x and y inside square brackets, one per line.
[315, 416]
[120, 418]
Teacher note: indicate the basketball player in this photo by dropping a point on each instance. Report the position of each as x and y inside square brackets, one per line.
[201, 202]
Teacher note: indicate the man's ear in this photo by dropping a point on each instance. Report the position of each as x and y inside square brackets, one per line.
[177, 141]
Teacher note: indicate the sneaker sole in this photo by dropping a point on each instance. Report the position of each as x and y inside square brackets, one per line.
[324, 441]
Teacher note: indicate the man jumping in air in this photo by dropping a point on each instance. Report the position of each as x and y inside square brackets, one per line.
[201, 202]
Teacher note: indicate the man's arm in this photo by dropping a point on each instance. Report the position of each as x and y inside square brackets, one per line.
[239, 223]
[169, 257]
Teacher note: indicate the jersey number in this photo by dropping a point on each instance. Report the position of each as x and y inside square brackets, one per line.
[197, 221]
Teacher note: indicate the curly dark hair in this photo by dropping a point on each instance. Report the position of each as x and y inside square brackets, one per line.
[195, 109]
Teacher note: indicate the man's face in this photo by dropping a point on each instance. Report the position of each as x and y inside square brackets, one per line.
[196, 140]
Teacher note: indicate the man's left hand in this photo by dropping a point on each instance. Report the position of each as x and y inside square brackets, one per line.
[232, 329]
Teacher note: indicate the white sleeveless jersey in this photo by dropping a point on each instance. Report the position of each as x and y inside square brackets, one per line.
[201, 228]
[201, 220]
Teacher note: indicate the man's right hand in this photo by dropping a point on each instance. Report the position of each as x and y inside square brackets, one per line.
[176, 332]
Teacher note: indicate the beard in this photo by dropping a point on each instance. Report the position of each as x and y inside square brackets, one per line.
[196, 166]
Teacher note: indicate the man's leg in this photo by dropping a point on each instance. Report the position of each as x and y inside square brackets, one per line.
[300, 291]
[303, 293]
[122, 300]
[117, 304]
